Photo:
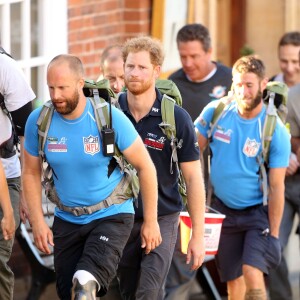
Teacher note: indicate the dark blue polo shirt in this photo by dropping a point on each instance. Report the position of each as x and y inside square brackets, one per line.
[158, 145]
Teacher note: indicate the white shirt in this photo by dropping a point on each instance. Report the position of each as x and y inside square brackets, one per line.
[17, 93]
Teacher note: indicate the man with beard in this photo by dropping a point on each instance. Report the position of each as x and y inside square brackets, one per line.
[249, 244]
[143, 276]
[200, 81]
[87, 246]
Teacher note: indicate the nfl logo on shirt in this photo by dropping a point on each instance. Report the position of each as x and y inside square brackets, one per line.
[91, 144]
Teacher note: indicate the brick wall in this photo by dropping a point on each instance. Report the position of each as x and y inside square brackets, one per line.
[94, 24]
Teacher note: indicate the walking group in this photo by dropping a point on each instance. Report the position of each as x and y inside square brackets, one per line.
[116, 237]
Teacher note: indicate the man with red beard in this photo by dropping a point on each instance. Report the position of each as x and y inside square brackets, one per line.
[91, 224]
[249, 244]
[141, 275]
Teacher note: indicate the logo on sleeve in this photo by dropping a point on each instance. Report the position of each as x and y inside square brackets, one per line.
[91, 144]
[251, 148]
[222, 135]
[57, 146]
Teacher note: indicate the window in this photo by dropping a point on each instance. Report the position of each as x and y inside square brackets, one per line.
[33, 32]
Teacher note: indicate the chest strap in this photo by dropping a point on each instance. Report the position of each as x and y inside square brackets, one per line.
[116, 197]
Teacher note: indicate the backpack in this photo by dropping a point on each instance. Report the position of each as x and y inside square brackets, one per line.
[100, 95]
[171, 97]
[275, 100]
[9, 147]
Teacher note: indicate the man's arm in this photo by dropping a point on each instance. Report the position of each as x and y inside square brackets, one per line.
[295, 142]
[31, 181]
[202, 142]
[139, 157]
[192, 174]
[294, 157]
[23, 209]
[8, 221]
[276, 199]
[19, 118]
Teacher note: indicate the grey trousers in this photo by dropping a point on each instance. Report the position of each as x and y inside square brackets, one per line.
[278, 279]
[6, 274]
[143, 276]
[180, 278]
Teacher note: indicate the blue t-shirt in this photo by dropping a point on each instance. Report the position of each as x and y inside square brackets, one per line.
[236, 143]
[74, 151]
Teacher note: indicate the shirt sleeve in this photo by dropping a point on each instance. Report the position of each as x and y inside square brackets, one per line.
[202, 123]
[280, 147]
[31, 133]
[185, 132]
[125, 132]
[293, 115]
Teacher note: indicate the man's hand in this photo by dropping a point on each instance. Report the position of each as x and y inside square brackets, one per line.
[43, 236]
[195, 252]
[293, 165]
[8, 226]
[150, 236]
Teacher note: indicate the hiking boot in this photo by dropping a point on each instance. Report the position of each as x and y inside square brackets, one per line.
[84, 291]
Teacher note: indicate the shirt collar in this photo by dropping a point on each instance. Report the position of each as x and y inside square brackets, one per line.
[154, 111]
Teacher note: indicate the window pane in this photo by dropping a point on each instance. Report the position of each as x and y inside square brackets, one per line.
[15, 26]
[34, 28]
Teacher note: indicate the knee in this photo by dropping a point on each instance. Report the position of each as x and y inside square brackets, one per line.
[236, 288]
[253, 277]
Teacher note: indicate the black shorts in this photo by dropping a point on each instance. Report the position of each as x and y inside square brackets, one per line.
[242, 241]
[96, 247]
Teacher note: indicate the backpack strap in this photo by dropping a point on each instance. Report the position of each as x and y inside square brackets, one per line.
[116, 197]
[2, 51]
[9, 147]
[168, 126]
[127, 188]
[267, 134]
[275, 101]
[43, 122]
[269, 126]
[168, 118]
[130, 183]
[217, 115]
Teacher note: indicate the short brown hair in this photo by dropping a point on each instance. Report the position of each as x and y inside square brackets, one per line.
[107, 52]
[249, 64]
[194, 32]
[290, 38]
[145, 43]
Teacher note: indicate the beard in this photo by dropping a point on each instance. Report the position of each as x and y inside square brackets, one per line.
[254, 103]
[69, 106]
[137, 87]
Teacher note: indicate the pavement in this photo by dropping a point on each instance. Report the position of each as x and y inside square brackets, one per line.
[22, 285]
